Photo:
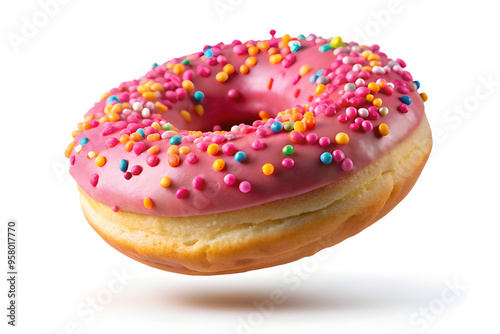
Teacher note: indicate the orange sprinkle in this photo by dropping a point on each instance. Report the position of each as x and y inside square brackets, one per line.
[124, 139]
[373, 87]
[186, 115]
[153, 137]
[251, 61]
[272, 51]
[304, 69]
[148, 203]
[103, 119]
[383, 129]
[114, 117]
[142, 89]
[199, 110]
[153, 149]
[165, 182]
[424, 97]
[76, 132]
[156, 126]
[157, 87]
[100, 161]
[264, 114]
[310, 122]
[136, 136]
[275, 58]
[129, 145]
[174, 160]
[375, 63]
[178, 69]
[89, 117]
[296, 117]
[105, 95]
[228, 68]
[150, 96]
[221, 77]
[319, 89]
[117, 108]
[270, 83]
[299, 126]
[244, 69]
[187, 85]
[262, 45]
[253, 50]
[377, 102]
[219, 165]
[68, 150]
[342, 138]
[87, 126]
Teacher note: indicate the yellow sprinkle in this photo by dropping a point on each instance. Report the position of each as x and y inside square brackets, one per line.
[383, 129]
[150, 96]
[174, 149]
[342, 138]
[221, 77]
[149, 83]
[187, 85]
[117, 108]
[105, 95]
[373, 56]
[366, 53]
[275, 58]
[373, 87]
[375, 63]
[424, 96]
[68, 150]
[319, 89]
[377, 102]
[184, 150]
[157, 87]
[165, 182]
[186, 115]
[251, 61]
[156, 126]
[89, 118]
[268, 169]
[153, 137]
[213, 149]
[170, 65]
[369, 97]
[148, 203]
[219, 165]
[114, 117]
[143, 89]
[304, 69]
[161, 107]
[299, 126]
[100, 161]
[336, 42]
[228, 68]
[199, 110]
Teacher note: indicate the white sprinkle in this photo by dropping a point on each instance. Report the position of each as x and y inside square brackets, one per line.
[146, 113]
[167, 134]
[363, 112]
[150, 105]
[347, 60]
[127, 111]
[383, 111]
[378, 70]
[349, 86]
[357, 67]
[137, 106]
[235, 128]
[360, 83]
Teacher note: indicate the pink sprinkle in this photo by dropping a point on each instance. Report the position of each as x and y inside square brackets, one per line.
[388, 90]
[93, 123]
[181, 93]
[94, 178]
[108, 130]
[152, 160]
[229, 149]
[401, 62]
[347, 164]
[288, 163]
[257, 144]
[212, 61]
[239, 49]
[351, 113]
[245, 186]
[403, 89]
[324, 141]
[199, 183]
[146, 122]
[171, 96]
[403, 108]
[115, 208]
[295, 79]
[139, 147]
[229, 179]
[362, 91]
[367, 126]
[202, 146]
[338, 155]
[192, 158]
[202, 70]
[120, 125]
[182, 193]
[149, 130]
[133, 127]
[136, 170]
[296, 137]
[111, 142]
[132, 119]
[72, 160]
[311, 138]
[353, 126]
[342, 118]
[127, 175]
[233, 94]
[359, 121]
[187, 75]
[221, 59]
[261, 132]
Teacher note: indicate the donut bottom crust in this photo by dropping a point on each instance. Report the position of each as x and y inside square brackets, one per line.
[270, 234]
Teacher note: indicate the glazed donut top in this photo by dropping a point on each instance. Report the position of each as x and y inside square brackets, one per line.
[242, 124]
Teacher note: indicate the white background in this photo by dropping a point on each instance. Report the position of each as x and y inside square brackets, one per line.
[394, 277]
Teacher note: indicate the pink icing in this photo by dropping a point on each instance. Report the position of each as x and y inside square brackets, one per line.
[196, 187]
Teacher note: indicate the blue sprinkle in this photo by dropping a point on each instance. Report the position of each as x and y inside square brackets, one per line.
[155, 64]
[326, 158]
[294, 47]
[198, 96]
[301, 37]
[319, 73]
[325, 48]
[208, 52]
[417, 83]
[84, 141]
[405, 99]
[175, 140]
[141, 131]
[123, 165]
[240, 156]
[276, 127]
[112, 98]
[313, 78]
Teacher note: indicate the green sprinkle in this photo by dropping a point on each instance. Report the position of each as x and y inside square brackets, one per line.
[288, 150]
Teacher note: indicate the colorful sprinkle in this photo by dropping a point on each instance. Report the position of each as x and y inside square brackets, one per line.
[182, 193]
[219, 165]
[326, 158]
[268, 169]
[148, 203]
[240, 156]
[245, 186]
[165, 182]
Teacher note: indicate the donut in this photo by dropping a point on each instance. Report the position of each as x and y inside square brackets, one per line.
[251, 154]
